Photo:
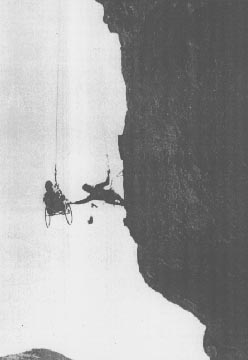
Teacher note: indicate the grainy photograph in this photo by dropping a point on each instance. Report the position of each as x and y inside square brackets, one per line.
[124, 177]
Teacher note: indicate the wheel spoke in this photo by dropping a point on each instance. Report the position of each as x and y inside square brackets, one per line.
[47, 218]
[68, 214]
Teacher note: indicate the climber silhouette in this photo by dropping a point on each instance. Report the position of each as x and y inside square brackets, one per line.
[98, 192]
[54, 199]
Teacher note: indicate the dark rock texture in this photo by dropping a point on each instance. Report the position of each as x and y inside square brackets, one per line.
[185, 156]
[36, 354]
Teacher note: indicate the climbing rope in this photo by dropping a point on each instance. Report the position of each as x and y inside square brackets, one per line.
[120, 173]
[106, 145]
[56, 127]
[57, 92]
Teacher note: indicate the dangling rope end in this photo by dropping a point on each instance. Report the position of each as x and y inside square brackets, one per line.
[107, 161]
[55, 175]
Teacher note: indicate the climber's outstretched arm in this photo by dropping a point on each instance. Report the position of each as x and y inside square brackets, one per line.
[83, 201]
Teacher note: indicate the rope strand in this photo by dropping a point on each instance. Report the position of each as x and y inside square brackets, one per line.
[56, 125]
[57, 91]
[57, 108]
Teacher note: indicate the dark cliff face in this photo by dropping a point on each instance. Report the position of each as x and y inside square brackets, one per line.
[185, 156]
[36, 354]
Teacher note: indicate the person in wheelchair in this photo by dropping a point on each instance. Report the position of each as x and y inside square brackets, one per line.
[54, 199]
[98, 192]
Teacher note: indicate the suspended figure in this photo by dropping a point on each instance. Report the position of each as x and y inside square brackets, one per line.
[98, 192]
[56, 203]
[53, 198]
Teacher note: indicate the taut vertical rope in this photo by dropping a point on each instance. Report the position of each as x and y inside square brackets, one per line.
[56, 126]
[57, 92]
[105, 143]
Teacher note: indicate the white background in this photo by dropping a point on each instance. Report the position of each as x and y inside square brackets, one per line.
[75, 290]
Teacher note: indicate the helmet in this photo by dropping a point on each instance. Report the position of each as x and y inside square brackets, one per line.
[48, 185]
[87, 188]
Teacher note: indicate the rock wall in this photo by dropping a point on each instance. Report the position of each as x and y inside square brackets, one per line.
[185, 156]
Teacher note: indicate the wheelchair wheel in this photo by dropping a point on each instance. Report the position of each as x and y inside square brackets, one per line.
[47, 218]
[68, 214]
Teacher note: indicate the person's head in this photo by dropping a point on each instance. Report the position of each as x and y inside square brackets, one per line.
[48, 185]
[87, 188]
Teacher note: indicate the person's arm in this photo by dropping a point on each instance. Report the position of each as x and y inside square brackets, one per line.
[105, 183]
[83, 201]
